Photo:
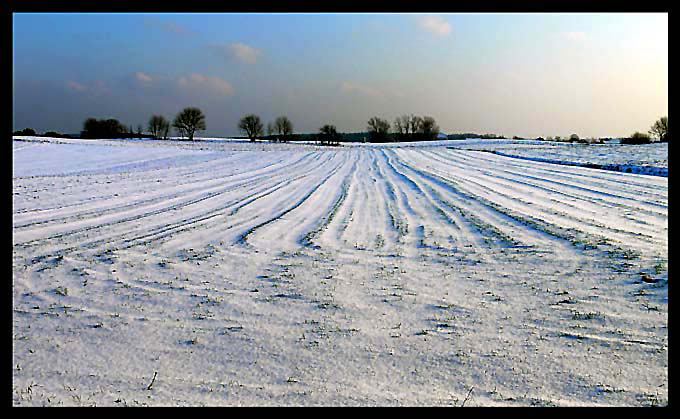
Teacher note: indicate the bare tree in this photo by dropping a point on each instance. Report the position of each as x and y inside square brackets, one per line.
[402, 126]
[660, 129]
[164, 129]
[399, 127]
[270, 130]
[428, 128]
[188, 121]
[405, 123]
[251, 126]
[414, 123]
[156, 125]
[378, 129]
[283, 127]
[328, 135]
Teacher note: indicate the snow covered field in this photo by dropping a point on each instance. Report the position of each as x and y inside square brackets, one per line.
[649, 159]
[231, 273]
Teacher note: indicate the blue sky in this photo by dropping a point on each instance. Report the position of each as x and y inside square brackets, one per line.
[511, 74]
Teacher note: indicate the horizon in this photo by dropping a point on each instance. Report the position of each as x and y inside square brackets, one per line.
[527, 75]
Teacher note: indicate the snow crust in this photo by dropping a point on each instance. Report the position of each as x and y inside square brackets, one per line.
[237, 273]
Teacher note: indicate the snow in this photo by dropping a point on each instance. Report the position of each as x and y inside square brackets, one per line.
[649, 159]
[240, 273]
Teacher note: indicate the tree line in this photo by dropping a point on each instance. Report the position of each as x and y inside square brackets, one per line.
[658, 130]
[190, 120]
[404, 128]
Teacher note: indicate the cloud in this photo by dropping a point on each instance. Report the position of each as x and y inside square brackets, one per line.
[97, 87]
[200, 81]
[435, 25]
[173, 85]
[144, 78]
[576, 36]
[76, 86]
[240, 51]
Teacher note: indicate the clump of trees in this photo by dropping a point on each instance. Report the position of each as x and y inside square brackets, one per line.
[415, 128]
[378, 130]
[102, 128]
[637, 138]
[414, 123]
[30, 132]
[188, 121]
[328, 135]
[405, 128]
[251, 126]
[54, 134]
[281, 130]
[26, 132]
[159, 127]
[660, 129]
[428, 129]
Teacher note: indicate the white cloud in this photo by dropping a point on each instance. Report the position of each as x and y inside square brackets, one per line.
[181, 84]
[96, 87]
[242, 52]
[143, 77]
[212, 83]
[435, 25]
[76, 86]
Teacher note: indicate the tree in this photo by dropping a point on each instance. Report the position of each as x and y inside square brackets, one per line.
[428, 128]
[188, 121]
[270, 129]
[28, 132]
[181, 132]
[54, 134]
[102, 128]
[414, 123]
[573, 138]
[378, 129]
[660, 129]
[156, 125]
[400, 128]
[283, 127]
[636, 138]
[251, 126]
[405, 123]
[164, 129]
[328, 135]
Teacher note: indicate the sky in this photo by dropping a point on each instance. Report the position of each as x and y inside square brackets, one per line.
[602, 75]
